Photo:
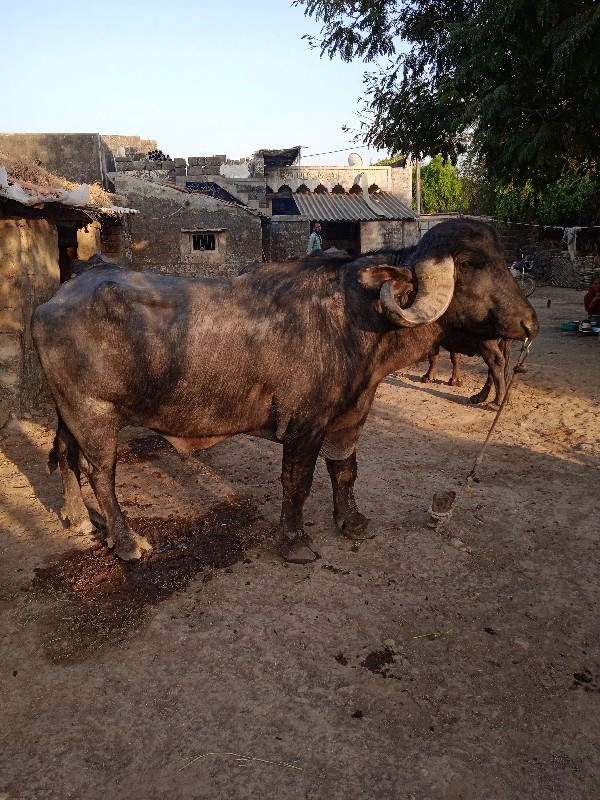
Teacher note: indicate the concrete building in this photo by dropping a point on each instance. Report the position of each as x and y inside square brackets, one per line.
[79, 157]
[360, 208]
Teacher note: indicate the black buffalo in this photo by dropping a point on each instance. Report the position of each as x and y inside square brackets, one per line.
[495, 353]
[292, 352]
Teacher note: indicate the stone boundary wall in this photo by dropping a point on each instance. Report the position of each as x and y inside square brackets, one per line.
[132, 144]
[545, 247]
[551, 259]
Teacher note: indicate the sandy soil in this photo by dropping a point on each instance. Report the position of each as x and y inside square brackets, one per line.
[422, 664]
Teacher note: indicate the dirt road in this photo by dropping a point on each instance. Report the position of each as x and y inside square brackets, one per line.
[420, 665]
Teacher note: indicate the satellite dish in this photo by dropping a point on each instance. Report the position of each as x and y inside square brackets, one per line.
[354, 160]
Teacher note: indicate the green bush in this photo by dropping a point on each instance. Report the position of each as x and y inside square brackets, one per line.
[571, 201]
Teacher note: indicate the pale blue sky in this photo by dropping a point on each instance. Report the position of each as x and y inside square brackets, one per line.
[200, 77]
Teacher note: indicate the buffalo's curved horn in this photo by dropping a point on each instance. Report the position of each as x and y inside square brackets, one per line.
[435, 290]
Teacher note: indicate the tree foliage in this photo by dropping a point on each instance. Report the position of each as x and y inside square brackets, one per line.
[569, 201]
[520, 78]
[441, 187]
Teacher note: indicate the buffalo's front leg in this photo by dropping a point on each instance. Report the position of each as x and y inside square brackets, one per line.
[456, 377]
[433, 359]
[298, 466]
[347, 517]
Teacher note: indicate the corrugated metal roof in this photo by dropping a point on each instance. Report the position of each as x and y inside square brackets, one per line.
[331, 207]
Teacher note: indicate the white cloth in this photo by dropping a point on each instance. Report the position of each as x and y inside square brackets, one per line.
[570, 237]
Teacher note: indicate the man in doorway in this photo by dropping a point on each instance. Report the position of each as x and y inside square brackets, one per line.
[315, 242]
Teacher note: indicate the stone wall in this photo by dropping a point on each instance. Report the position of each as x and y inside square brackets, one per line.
[375, 234]
[115, 238]
[285, 237]
[29, 275]
[551, 260]
[79, 157]
[132, 144]
[161, 233]
[243, 178]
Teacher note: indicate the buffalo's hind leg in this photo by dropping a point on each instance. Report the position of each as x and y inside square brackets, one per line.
[65, 455]
[100, 448]
[298, 466]
[347, 517]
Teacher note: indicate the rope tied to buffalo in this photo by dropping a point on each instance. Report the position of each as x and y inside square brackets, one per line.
[442, 505]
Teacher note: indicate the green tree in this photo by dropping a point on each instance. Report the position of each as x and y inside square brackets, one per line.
[441, 187]
[522, 78]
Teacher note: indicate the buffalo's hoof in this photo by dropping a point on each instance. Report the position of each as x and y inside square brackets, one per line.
[358, 534]
[130, 550]
[494, 406]
[455, 382]
[302, 551]
[78, 524]
[425, 379]
[476, 399]
[356, 529]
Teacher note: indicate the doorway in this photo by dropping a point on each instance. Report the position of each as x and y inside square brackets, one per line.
[67, 250]
[343, 234]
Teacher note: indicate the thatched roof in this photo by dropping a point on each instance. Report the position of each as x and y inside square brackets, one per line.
[23, 171]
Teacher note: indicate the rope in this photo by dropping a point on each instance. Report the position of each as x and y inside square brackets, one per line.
[439, 518]
[536, 225]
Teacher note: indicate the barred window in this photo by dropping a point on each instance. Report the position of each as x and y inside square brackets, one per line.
[204, 241]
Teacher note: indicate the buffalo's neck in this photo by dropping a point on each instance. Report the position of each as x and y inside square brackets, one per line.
[403, 347]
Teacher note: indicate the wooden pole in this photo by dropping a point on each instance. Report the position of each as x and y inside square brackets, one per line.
[418, 186]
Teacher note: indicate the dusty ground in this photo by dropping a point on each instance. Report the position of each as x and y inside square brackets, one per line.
[419, 665]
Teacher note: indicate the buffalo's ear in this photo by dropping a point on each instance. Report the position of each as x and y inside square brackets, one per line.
[401, 278]
[374, 277]
[403, 293]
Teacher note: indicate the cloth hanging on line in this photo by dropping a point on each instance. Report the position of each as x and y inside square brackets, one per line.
[570, 237]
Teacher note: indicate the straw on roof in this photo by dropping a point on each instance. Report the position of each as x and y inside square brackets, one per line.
[24, 171]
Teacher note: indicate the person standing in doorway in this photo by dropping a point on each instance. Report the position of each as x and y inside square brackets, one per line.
[315, 242]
